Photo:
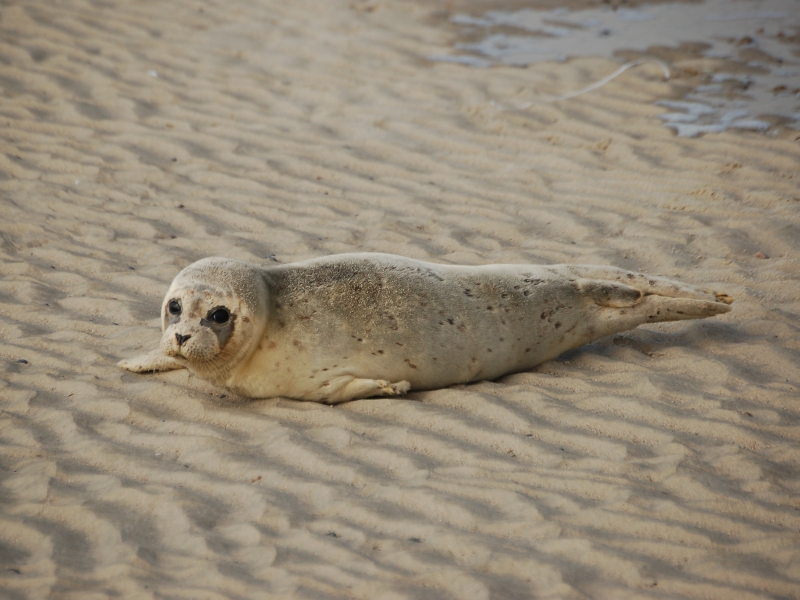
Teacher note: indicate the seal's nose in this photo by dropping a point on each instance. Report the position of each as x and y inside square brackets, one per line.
[181, 338]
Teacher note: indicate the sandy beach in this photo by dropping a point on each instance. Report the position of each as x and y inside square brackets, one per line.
[138, 137]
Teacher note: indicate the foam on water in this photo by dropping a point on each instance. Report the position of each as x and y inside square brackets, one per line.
[757, 37]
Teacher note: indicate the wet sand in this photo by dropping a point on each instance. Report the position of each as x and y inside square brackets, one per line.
[137, 138]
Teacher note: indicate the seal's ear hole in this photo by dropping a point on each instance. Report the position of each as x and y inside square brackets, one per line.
[174, 307]
[220, 316]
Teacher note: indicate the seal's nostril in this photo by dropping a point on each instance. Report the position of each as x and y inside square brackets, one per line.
[181, 338]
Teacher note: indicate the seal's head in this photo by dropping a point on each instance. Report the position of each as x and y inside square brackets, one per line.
[213, 315]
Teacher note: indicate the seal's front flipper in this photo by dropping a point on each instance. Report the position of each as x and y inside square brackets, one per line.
[346, 387]
[152, 361]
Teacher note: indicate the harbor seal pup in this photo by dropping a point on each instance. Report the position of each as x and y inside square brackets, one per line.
[354, 326]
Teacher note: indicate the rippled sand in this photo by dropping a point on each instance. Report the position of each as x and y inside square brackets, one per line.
[139, 136]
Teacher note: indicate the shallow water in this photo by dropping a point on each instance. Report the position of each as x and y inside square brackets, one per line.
[755, 43]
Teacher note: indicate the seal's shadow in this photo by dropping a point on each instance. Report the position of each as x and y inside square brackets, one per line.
[652, 341]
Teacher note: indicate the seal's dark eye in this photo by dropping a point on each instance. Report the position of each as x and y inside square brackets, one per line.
[174, 307]
[220, 316]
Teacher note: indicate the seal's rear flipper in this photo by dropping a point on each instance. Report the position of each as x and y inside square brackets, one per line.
[658, 309]
[648, 285]
[724, 298]
[610, 293]
[678, 305]
[152, 361]
[624, 300]
[654, 309]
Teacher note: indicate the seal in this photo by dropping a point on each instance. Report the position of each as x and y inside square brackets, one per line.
[354, 326]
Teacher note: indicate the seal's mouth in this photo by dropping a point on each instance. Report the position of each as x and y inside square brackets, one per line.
[174, 352]
[182, 351]
[175, 345]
